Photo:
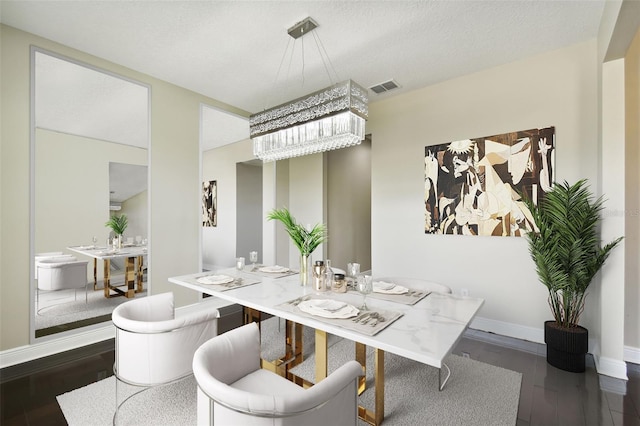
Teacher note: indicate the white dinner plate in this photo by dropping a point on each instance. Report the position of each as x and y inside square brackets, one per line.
[328, 308]
[274, 269]
[215, 279]
[384, 287]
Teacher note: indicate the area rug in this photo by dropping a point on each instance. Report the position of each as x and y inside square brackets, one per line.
[76, 310]
[476, 394]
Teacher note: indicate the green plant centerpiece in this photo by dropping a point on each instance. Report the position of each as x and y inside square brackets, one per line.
[306, 240]
[567, 254]
[118, 225]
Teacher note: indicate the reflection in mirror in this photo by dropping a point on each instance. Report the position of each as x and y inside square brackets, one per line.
[90, 137]
[219, 153]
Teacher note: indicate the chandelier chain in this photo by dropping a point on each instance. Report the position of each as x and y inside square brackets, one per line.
[323, 54]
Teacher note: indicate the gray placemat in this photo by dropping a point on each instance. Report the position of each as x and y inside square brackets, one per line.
[410, 298]
[369, 322]
[236, 283]
[249, 269]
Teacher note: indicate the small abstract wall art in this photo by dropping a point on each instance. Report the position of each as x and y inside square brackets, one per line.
[210, 203]
[473, 186]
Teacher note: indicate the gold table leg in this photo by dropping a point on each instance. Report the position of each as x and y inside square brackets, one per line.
[376, 416]
[107, 277]
[293, 350]
[95, 274]
[130, 276]
[321, 355]
[139, 276]
[361, 357]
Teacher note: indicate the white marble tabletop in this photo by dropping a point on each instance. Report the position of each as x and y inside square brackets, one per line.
[101, 252]
[426, 332]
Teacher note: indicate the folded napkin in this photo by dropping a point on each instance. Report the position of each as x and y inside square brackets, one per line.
[86, 247]
[215, 279]
[388, 288]
[274, 269]
[328, 308]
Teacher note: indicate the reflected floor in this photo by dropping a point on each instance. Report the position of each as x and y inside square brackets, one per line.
[64, 310]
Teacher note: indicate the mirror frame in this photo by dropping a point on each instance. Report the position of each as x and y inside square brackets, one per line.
[32, 186]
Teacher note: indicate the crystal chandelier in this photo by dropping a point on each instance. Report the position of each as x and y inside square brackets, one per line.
[328, 119]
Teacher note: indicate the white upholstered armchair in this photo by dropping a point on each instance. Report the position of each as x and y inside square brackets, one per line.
[234, 390]
[154, 344]
[60, 273]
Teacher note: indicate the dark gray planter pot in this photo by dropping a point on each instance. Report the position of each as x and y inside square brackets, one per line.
[566, 347]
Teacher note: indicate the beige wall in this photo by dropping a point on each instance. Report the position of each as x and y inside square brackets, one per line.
[219, 243]
[349, 206]
[174, 180]
[632, 195]
[558, 89]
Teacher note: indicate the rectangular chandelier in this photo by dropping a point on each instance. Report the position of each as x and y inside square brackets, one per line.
[328, 119]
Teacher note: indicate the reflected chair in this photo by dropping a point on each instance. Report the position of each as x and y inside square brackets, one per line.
[58, 255]
[61, 273]
[234, 390]
[155, 343]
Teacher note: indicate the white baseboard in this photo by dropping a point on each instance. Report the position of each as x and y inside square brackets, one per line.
[606, 366]
[37, 350]
[502, 328]
[632, 354]
[611, 367]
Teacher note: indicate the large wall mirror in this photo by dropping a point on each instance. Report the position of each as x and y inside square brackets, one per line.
[90, 154]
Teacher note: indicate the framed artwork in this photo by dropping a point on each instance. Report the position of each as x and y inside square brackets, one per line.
[210, 203]
[474, 186]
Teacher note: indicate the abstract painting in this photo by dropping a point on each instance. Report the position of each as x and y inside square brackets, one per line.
[210, 203]
[474, 186]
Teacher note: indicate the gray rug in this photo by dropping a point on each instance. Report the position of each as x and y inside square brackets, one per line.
[476, 394]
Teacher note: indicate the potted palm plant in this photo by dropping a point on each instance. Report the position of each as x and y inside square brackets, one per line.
[567, 253]
[118, 225]
[306, 240]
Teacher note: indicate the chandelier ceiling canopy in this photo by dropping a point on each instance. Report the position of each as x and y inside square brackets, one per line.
[324, 120]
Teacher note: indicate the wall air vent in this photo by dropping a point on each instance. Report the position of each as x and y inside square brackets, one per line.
[384, 87]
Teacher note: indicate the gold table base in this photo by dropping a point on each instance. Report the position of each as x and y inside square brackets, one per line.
[294, 356]
[133, 278]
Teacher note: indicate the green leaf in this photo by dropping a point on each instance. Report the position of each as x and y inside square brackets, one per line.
[305, 240]
[566, 247]
[118, 224]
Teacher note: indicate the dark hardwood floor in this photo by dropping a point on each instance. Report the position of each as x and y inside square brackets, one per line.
[548, 396]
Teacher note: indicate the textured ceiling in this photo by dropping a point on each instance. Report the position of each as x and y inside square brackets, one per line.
[231, 50]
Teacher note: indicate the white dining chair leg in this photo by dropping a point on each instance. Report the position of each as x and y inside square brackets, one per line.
[446, 379]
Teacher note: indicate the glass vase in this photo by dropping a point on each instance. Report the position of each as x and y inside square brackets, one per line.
[305, 269]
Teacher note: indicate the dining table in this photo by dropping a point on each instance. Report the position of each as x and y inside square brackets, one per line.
[421, 326]
[133, 256]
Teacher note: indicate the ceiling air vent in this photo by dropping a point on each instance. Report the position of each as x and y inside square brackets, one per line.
[384, 87]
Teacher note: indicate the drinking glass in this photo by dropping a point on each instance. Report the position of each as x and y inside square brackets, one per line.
[353, 269]
[94, 240]
[253, 257]
[240, 263]
[364, 284]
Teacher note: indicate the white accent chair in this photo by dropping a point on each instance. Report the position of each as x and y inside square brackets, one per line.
[58, 255]
[234, 390]
[155, 343]
[417, 284]
[61, 273]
